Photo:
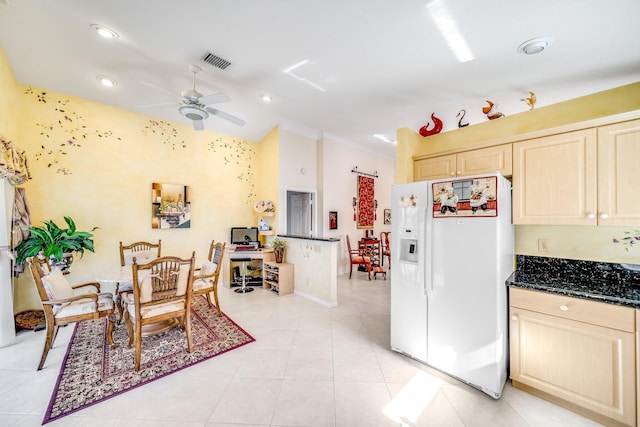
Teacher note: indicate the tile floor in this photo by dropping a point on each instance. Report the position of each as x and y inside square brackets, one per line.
[310, 366]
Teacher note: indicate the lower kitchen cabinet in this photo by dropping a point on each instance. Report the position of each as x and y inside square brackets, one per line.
[578, 353]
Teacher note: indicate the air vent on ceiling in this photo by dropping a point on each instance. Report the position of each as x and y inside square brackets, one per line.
[215, 60]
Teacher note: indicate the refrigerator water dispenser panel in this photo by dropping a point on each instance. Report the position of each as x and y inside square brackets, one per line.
[409, 250]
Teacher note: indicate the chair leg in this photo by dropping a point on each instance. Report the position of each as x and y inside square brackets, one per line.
[209, 299]
[48, 343]
[188, 329]
[215, 297]
[138, 346]
[350, 270]
[127, 322]
[111, 318]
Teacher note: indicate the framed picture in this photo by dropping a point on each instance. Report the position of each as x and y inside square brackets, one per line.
[333, 220]
[387, 216]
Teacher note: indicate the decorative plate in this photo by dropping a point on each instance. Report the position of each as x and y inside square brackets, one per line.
[259, 206]
[269, 206]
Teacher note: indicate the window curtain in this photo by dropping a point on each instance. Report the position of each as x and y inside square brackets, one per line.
[366, 209]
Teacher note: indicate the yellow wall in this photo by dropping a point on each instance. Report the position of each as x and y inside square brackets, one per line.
[573, 242]
[9, 100]
[97, 163]
[267, 161]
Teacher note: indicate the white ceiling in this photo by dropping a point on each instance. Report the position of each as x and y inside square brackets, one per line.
[382, 64]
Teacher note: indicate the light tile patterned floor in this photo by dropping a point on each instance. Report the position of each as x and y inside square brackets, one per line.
[310, 366]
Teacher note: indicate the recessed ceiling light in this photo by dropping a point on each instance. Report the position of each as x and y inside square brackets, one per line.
[265, 98]
[533, 46]
[105, 32]
[107, 81]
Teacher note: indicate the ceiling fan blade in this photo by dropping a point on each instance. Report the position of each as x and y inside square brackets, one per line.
[175, 95]
[198, 124]
[164, 104]
[226, 116]
[214, 98]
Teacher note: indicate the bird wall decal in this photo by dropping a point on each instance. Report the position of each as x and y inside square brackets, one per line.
[491, 111]
[437, 126]
[531, 100]
[460, 124]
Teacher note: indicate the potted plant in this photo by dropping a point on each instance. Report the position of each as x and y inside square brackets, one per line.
[55, 243]
[278, 246]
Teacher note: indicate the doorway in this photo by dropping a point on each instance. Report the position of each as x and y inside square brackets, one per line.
[300, 213]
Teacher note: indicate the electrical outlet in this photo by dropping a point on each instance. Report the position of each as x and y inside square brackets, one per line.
[543, 245]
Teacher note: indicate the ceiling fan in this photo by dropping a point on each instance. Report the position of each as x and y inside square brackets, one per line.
[195, 106]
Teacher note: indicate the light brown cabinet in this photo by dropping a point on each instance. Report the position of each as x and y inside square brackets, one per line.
[585, 177]
[578, 353]
[473, 162]
[619, 174]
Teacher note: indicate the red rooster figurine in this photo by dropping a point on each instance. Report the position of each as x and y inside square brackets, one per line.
[437, 126]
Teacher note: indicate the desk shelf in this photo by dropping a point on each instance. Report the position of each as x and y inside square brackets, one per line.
[278, 277]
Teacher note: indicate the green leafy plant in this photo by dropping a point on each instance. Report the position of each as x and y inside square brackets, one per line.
[278, 243]
[52, 240]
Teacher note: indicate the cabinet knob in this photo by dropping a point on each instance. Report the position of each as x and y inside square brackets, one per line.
[604, 216]
[564, 308]
[459, 173]
[591, 215]
[453, 174]
[514, 318]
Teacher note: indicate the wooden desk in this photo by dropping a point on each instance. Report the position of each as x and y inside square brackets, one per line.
[264, 254]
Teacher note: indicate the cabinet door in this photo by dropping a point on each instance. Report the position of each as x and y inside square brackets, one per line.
[583, 364]
[554, 179]
[619, 174]
[485, 160]
[434, 168]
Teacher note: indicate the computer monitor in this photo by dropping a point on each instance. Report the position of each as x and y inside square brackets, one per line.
[244, 236]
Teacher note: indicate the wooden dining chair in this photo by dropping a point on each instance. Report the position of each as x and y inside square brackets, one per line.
[205, 279]
[143, 252]
[385, 247]
[62, 305]
[162, 292]
[358, 257]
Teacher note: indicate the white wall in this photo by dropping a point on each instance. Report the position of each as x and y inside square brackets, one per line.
[327, 162]
[339, 186]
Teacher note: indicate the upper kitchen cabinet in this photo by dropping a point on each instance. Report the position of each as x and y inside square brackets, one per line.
[473, 162]
[586, 177]
[619, 174]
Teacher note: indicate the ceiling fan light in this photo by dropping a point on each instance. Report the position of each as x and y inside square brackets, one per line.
[533, 46]
[192, 112]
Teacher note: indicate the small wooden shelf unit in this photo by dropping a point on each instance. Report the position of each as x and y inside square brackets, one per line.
[277, 277]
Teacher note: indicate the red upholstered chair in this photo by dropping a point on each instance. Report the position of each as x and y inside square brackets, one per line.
[385, 247]
[358, 257]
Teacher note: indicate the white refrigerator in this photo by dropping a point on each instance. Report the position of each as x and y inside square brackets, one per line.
[452, 251]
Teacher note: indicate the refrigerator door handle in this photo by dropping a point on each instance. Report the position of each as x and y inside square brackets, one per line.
[428, 282]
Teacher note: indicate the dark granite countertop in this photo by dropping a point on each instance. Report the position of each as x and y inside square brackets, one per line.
[318, 239]
[597, 281]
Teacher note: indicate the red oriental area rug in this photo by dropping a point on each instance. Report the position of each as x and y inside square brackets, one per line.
[93, 372]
